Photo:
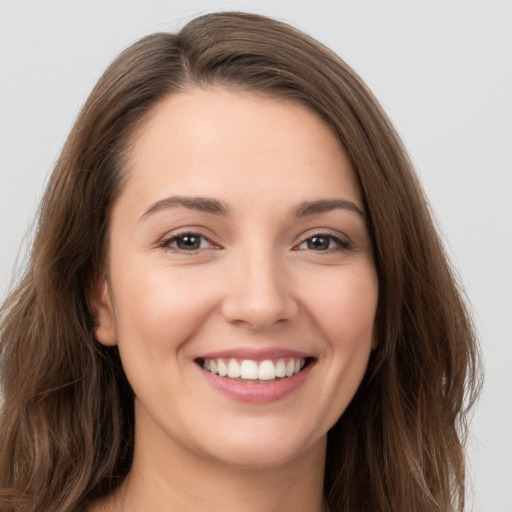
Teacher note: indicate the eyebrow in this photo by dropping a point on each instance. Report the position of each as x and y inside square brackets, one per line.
[326, 205]
[216, 207]
[201, 204]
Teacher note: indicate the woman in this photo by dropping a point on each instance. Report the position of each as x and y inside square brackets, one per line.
[236, 299]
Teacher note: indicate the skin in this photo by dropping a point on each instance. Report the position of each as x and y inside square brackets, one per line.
[255, 281]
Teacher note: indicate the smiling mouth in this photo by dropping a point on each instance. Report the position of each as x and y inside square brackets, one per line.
[249, 370]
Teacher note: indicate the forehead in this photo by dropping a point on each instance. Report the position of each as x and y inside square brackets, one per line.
[212, 141]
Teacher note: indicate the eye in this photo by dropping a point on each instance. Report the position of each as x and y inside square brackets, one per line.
[187, 242]
[322, 242]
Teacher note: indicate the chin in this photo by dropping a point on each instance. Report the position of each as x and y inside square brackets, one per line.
[264, 448]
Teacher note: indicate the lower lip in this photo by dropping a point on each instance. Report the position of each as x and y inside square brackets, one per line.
[257, 392]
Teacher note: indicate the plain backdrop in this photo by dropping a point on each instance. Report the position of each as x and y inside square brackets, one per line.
[442, 70]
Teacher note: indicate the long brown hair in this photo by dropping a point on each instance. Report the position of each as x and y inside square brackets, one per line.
[67, 422]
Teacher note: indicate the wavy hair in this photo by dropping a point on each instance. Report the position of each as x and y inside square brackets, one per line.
[67, 419]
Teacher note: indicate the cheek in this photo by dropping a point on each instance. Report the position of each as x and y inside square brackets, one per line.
[344, 306]
[343, 312]
[157, 314]
[160, 310]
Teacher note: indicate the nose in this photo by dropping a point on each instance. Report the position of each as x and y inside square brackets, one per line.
[259, 293]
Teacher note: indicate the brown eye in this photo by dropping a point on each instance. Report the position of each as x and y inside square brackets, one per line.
[324, 243]
[188, 242]
[318, 243]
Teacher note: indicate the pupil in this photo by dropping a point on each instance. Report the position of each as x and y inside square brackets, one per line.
[188, 242]
[318, 243]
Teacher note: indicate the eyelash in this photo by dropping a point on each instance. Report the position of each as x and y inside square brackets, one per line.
[339, 244]
[167, 243]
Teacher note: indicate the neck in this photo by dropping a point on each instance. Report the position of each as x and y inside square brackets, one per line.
[166, 477]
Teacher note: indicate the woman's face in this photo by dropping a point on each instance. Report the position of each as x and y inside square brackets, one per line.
[240, 286]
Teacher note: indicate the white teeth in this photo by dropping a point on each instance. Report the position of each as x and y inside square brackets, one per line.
[290, 368]
[249, 369]
[266, 371]
[222, 369]
[280, 368]
[233, 369]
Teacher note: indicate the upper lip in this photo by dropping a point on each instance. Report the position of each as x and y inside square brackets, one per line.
[255, 354]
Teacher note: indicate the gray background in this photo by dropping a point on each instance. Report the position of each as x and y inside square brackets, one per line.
[442, 70]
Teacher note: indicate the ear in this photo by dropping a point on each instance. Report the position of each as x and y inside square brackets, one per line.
[101, 305]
